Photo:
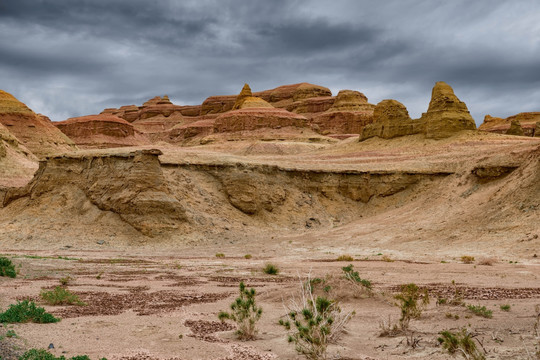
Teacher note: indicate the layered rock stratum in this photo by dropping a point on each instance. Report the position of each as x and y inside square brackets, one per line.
[528, 121]
[101, 131]
[35, 132]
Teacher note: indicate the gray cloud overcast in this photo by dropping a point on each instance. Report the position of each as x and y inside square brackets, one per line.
[70, 58]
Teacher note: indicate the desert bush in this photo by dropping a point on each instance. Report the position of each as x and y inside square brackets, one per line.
[487, 261]
[42, 354]
[387, 258]
[247, 256]
[467, 259]
[353, 276]
[460, 342]
[505, 307]
[60, 296]
[314, 322]
[388, 327]
[408, 299]
[7, 268]
[65, 280]
[220, 255]
[271, 269]
[480, 311]
[245, 312]
[26, 311]
[345, 258]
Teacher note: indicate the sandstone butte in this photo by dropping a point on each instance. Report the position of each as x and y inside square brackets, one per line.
[101, 131]
[153, 116]
[17, 163]
[35, 132]
[528, 121]
[253, 113]
[349, 113]
[446, 116]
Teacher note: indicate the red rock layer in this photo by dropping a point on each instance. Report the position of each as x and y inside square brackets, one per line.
[36, 132]
[256, 118]
[101, 131]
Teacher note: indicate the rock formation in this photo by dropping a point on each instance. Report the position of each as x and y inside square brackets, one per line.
[391, 119]
[252, 113]
[349, 113]
[257, 118]
[156, 115]
[527, 120]
[446, 114]
[101, 131]
[515, 128]
[198, 128]
[281, 97]
[245, 93]
[38, 134]
[17, 163]
[130, 185]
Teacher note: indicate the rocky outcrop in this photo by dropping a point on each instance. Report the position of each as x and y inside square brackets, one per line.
[101, 131]
[349, 113]
[245, 93]
[350, 100]
[515, 128]
[391, 119]
[280, 97]
[198, 128]
[218, 104]
[446, 114]
[287, 94]
[156, 115]
[312, 105]
[38, 134]
[257, 118]
[17, 163]
[131, 185]
[527, 120]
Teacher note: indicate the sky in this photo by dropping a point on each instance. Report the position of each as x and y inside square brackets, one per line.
[67, 58]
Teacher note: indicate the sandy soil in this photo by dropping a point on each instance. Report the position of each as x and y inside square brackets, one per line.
[165, 305]
[158, 298]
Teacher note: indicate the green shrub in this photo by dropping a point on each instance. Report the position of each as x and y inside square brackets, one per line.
[247, 256]
[60, 296]
[505, 307]
[41, 354]
[353, 276]
[7, 268]
[480, 311]
[314, 323]
[220, 255]
[11, 334]
[26, 311]
[245, 313]
[408, 303]
[460, 342]
[271, 269]
[65, 280]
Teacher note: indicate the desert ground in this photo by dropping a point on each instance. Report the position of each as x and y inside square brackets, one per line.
[157, 297]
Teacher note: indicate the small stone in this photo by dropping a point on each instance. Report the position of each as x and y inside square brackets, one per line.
[101, 242]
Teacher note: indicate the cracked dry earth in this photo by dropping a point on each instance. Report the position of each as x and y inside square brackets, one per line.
[165, 305]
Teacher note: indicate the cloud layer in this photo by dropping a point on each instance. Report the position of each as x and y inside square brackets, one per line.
[65, 58]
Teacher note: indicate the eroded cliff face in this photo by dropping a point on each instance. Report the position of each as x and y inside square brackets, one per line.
[130, 185]
[175, 199]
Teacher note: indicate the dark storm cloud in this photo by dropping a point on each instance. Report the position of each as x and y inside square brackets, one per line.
[69, 58]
